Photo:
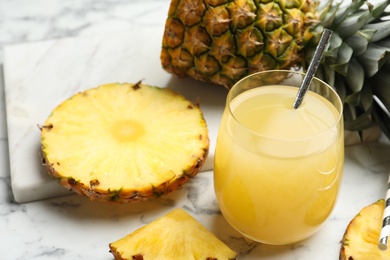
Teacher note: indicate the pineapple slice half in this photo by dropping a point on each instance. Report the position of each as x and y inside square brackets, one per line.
[174, 236]
[124, 142]
[360, 241]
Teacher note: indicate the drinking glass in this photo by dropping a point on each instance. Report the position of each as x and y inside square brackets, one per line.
[277, 170]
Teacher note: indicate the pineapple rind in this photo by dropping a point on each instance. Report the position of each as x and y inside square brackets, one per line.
[174, 236]
[274, 32]
[361, 237]
[169, 156]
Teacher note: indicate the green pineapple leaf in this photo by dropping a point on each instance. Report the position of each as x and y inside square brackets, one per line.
[344, 11]
[353, 100]
[359, 41]
[366, 100]
[374, 58]
[355, 76]
[377, 9]
[353, 23]
[344, 56]
[381, 86]
[382, 30]
[382, 118]
[359, 122]
[340, 86]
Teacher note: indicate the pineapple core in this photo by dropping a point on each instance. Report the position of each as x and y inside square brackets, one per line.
[127, 130]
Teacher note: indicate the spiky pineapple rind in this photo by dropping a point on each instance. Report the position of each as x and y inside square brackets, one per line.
[122, 195]
[126, 195]
[224, 41]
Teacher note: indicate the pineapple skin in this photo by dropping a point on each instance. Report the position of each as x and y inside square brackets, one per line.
[222, 41]
[360, 240]
[124, 195]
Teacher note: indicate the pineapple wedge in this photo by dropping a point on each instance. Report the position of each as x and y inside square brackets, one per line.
[124, 142]
[174, 236]
[360, 241]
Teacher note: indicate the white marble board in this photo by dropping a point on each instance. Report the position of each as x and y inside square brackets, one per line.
[39, 75]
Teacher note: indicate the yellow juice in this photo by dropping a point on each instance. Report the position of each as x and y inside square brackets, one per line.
[277, 169]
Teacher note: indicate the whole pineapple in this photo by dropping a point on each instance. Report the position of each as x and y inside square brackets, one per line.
[222, 41]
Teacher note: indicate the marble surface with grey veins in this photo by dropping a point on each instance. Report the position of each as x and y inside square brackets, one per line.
[50, 49]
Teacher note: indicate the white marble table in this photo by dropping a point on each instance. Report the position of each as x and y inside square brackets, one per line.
[71, 227]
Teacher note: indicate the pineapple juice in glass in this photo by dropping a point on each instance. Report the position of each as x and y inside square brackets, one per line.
[277, 170]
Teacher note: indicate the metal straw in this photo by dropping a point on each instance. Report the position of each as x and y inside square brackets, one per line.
[384, 235]
[312, 67]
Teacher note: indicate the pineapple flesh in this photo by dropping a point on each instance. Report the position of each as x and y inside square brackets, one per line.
[174, 236]
[222, 41]
[124, 142]
[360, 241]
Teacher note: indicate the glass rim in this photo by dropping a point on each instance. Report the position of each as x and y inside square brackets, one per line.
[339, 101]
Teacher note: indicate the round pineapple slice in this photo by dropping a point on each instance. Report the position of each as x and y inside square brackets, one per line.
[360, 240]
[124, 142]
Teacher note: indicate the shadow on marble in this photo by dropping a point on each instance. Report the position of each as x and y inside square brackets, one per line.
[209, 95]
[372, 156]
[196, 197]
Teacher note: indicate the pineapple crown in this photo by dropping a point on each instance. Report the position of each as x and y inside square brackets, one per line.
[357, 60]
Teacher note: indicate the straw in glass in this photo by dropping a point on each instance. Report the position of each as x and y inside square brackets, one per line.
[385, 231]
[313, 66]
